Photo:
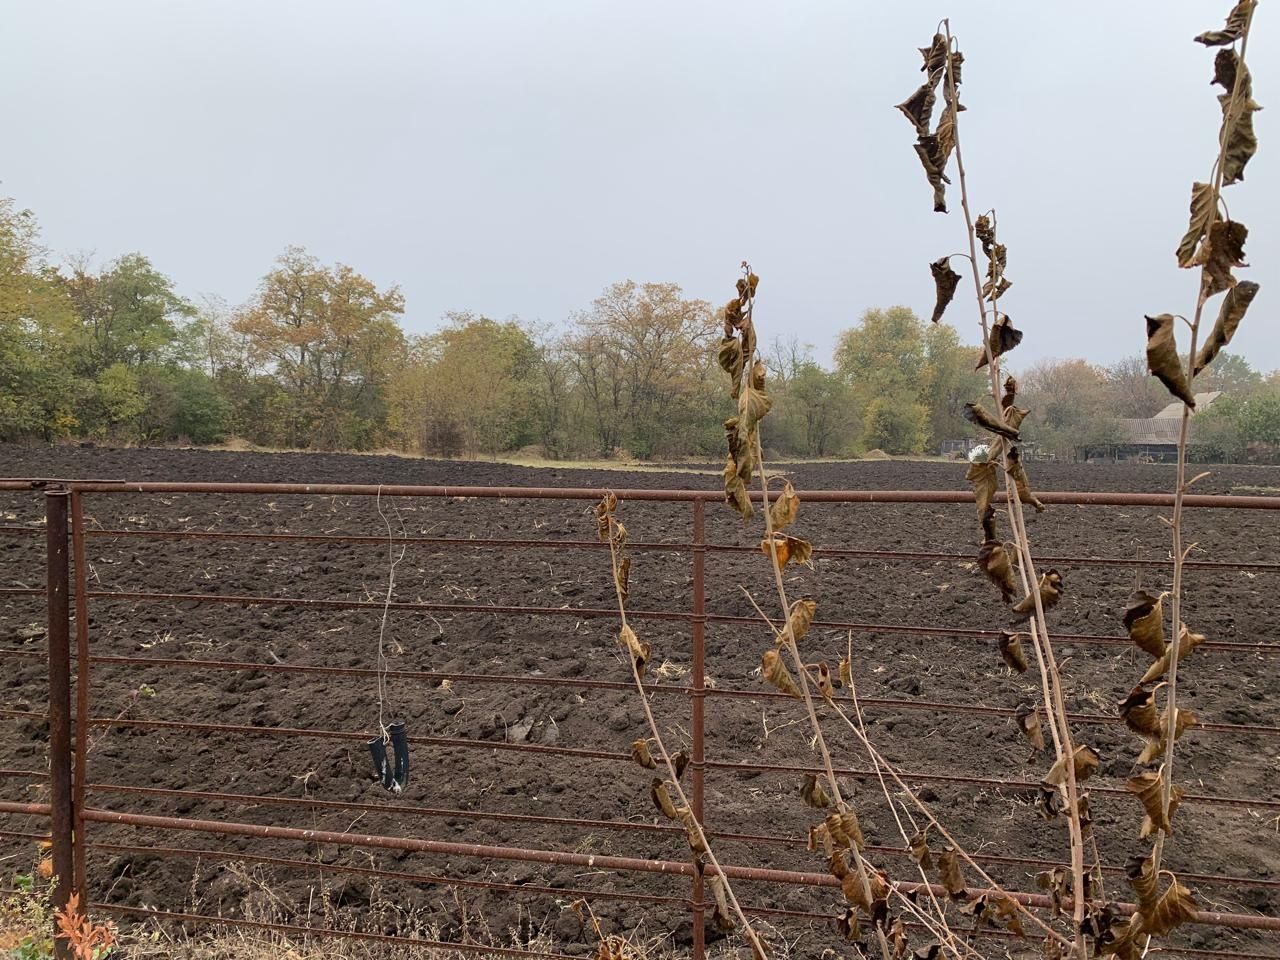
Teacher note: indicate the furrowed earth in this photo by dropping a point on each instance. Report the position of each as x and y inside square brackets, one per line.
[905, 680]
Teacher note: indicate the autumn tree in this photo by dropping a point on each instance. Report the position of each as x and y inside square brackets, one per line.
[1230, 373]
[1073, 406]
[466, 389]
[1134, 392]
[37, 326]
[330, 338]
[639, 358]
[948, 381]
[813, 408]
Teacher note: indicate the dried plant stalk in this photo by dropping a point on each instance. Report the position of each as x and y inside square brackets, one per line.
[999, 336]
[1216, 246]
[676, 808]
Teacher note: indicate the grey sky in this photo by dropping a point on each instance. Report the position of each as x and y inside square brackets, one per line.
[514, 158]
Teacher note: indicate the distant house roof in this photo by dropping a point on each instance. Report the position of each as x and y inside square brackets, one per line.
[1151, 430]
[1174, 410]
[1165, 426]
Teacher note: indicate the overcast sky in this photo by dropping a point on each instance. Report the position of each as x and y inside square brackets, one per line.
[514, 158]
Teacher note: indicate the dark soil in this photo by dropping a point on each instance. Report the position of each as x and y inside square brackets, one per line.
[1231, 687]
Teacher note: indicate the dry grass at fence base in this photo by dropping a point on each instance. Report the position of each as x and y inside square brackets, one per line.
[26, 927]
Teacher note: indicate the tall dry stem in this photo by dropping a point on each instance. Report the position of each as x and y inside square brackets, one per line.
[1216, 252]
[612, 530]
[1050, 674]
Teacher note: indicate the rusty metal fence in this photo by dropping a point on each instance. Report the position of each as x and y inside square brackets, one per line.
[70, 818]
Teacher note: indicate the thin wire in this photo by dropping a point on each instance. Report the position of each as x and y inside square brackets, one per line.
[393, 562]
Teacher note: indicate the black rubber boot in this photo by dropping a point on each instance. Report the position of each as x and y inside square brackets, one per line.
[381, 766]
[400, 745]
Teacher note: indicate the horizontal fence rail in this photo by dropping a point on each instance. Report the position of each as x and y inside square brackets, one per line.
[76, 801]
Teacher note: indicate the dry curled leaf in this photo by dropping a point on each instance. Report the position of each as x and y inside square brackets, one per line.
[945, 280]
[1162, 358]
[825, 686]
[1149, 826]
[935, 57]
[836, 862]
[1086, 765]
[662, 799]
[622, 578]
[987, 518]
[638, 650]
[641, 755]
[1011, 651]
[996, 284]
[1149, 789]
[775, 671]
[918, 846]
[1238, 107]
[1028, 720]
[1142, 877]
[1002, 338]
[847, 924]
[1009, 913]
[985, 481]
[994, 561]
[692, 832]
[1202, 211]
[1174, 908]
[933, 159]
[1242, 142]
[844, 830]
[1085, 815]
[730, 359]
[1050, 593]
[985, 231]
[1138, 711]
[1017, 472]
[753, 404]
[1144, 619]
[1122, 938]
[786, 549]
[1187, 641]
[863, 893]
[721, 918]
[812, 794]
[845, 672]
[1232, 311]
[1221, 252]
[1155, 748]
[1010, 391]
[783, 510]
[950, 874]
[979, 416]
[735, 490]
[918, 108]
[798, 620]
[1237, 23]
[1057, 883]
[680, 762]
[604, 514]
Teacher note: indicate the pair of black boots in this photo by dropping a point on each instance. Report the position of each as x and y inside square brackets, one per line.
[392, 771]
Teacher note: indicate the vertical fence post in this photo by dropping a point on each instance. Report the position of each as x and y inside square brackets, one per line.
[59, 629]
[80, 567]
[699, 693]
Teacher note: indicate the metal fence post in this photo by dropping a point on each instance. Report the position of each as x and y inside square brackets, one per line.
[81, 570]
[698, 761]
[59, 629]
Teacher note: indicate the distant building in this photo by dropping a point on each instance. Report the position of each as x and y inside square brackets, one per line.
[1156, 438]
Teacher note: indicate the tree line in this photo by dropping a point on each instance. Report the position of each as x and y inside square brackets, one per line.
[317, 359]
